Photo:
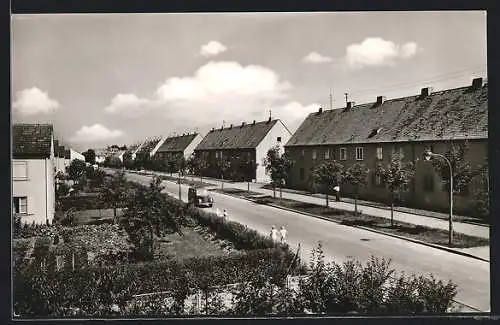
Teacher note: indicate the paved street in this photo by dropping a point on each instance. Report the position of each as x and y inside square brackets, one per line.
[471, 275]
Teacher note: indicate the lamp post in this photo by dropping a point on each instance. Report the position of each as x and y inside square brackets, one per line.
[428, 154]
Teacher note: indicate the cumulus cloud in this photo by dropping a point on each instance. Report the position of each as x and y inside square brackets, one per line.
[378, 52]
[128, 104]
[95, 133]
[316, 58]
[34, 101]
[213, 48]
[217, 92]
[226, 79]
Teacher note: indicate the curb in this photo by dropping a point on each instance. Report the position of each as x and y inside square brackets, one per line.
[450, 250]
[388, 209]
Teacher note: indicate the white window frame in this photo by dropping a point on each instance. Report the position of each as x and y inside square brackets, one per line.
[358, 155]
[19, 199]
[327, 154]
[302, 152]
[20, 178]
[342, 153]
[314, 154]
[380, 153]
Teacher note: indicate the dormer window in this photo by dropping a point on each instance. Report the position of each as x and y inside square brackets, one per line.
[374, 132]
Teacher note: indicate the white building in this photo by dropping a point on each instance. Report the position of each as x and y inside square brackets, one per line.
[33, 172]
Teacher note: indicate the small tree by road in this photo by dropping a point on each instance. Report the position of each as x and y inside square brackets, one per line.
[172, 164]
[89, 156]
[397, 176]
[115, 191]
[192, 165]
[223, 166]
[356, 176]
[248, 167]
[327, 176]
[278, 167]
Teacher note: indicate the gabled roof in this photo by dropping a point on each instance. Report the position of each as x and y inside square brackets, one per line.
[177, 144]
[246, 136]
[460, 113]
[148, 145]
[31, 141]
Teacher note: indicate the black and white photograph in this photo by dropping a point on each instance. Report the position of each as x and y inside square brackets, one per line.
[249, 164]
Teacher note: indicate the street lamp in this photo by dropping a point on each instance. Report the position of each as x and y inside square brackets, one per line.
[428, 154]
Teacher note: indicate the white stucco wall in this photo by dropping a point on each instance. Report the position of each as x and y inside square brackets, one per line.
[270, 141]
[39, 189]
[76, 155]
[190, 148]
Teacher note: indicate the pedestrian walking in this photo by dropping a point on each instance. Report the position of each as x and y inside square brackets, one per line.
[337, 193]
[283, 235]
[274, 234]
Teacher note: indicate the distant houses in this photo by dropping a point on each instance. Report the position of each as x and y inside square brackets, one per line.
[242, 142]
[33, 172]
[178, 146]
[370, 133]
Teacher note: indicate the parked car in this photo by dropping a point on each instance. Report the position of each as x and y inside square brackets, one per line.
[199, 197]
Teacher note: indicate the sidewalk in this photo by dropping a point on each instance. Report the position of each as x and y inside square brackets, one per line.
[432, 222]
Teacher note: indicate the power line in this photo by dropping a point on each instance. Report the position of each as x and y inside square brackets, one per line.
[446, 76]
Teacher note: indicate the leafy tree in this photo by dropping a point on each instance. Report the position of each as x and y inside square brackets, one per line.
[248, 167]
[62, 189]
[192, 165]
[356, 176]
[182, 166]
[128, 162]
[89, 156]
[327, 176]
[115, 190]
[397, 176]
[76, 170]
[112, 162]
[278, 167]
[201, 166]
[223, 165]
[149, 213]
[482, 193]
[462, 170]
[172, 164]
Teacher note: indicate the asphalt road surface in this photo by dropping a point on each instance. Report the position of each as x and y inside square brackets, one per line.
[341, 242]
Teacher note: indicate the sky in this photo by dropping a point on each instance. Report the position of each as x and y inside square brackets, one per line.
[105, 79]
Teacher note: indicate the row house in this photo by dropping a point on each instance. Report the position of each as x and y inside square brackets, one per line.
[369, 133]
[246, 141]
[177, 146]
[33, 172]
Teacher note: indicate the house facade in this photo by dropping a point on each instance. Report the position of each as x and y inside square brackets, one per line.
[370, 133]
[59, 159]
[33, 173]
[177, 146]
[239, 143]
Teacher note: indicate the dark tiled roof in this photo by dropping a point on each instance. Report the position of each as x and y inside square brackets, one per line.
[148, 146]
[176, 144]
[449, 114]
[236, 137]
[31, 140]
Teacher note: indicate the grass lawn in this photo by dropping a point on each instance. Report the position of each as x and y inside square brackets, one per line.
[192, 244]
[422, 233]
[238, 192]
[188, 181]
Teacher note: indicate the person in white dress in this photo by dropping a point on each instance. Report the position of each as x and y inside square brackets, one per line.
[283, 234]
[274, 234]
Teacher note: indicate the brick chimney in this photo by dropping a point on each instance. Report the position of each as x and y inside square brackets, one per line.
[380, 100]
[350, 105]
[425, 92]
[243, 124]
[230, 126]
[253, 122]
[320, 110]
[477, 83]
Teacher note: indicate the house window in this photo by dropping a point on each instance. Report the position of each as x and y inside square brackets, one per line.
[20, 205]
[343, 155]
[20, 170]
[429, 183]
[359, 153]
[327, 154]
[379, 153]
[278, 139]
[302, 153]
[302, 174]
[314, 153]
